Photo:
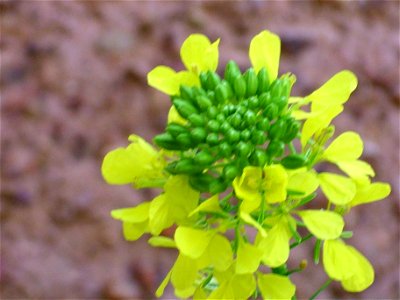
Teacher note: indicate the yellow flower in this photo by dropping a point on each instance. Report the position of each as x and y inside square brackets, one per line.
[247, 187]
[198, 54]
[274, 286]
[347, 265]
[275, 183]
[139, 164]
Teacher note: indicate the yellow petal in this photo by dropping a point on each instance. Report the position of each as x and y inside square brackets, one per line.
[192, 242]
[184, 274]
[265, 51]
[135, 214]
[218, 254]
[174, 116]
[274, 286]
[133, 231]
[322, 223]
[162, 241]
[247, 188]
[198, 54]
[367, 193]
[209, 205]
[275, 183]
[275, 246]
[305, 182]
[356, 168]
[159, 215]
[347, 146]
[249, 220]
[334, 92]
[238, 286]
[164, 79]
[163, 285]
[337, 259]
[248, 258]
[338, 189]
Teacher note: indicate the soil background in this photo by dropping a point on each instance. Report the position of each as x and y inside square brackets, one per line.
[73, 86]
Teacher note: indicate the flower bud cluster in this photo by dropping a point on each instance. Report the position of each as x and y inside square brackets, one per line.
[235, 121]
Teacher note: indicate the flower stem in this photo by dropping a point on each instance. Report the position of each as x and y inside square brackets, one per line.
[323, 287]
[307, 237]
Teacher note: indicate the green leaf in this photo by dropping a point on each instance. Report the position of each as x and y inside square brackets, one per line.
[265, 51]
[347, 146]
[323, 224]
[338, 189]
[273, 286]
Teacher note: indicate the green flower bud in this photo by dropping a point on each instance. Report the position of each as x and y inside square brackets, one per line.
[184, 166]
[231, 71]
[203, 80]
[213, 125]
[228, 109]
[254, 102]
[204, 158]
[225, 127]
[265, 99]
[258, 158]
[174, 129]
[198, 134]
[258, 137]
[263, 81]
[294, 161]
[275, 148]
[211, 96]
[225, 149]
[201, 182]
[278, 129]
[244, 103]
[228, 88]
[218, 186]
[281, 103]
[233, 136]
[203, 102]
[197, 120]
[239, 86]
[245, 135]
[184, 140]
[184, 108]
[221, 93]
[186, 92]
[241, 109]
[263, 124]
[244, 149]
[286, 87]
[235, 120]
[250, 118]
[276, 89]
[271, 111]
[251, 82]
[230, 172]
[212, 139]
[167, 141]
[291, 132]
[220, 118]
[212, 112]
[213, 80]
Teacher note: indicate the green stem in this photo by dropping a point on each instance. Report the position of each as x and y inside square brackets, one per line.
[307, 237]
[323, 287]
[292, 148]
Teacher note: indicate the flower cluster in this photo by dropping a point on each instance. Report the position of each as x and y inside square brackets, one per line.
[236, 164]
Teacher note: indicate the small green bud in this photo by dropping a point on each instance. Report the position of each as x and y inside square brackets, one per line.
[213, 80]
[275, 148]
[198, 134]
[251, 82]
[258, 137]
[239, 86]
[263, 81]
[225, 127]
[186, 92]
[265, 99]
[228, 109]
[212, 139]
[167, 141]
[263, 124]
[250, 118]
[204, 158]
[203, 80]
[276, 89]
[245, 135]
[197, 120]
[233, 136]
[218, 186]
[258, 158]
[212, 112]
[278, 129]
[294, 161]
[231, 71]
[291, 132]
[201, 182]
[221, 93]
[244, 149]
[271, 111]
[203, 102]
[184, 139]
[235, 120]
[286, 87]
[241, 109]
[213, 125]
[184, 108]
[225, 149]
[281, 103]
[211, 96]
[228, 88]
[230, 172]
[184, 166]
[254, 102]
[174, 129]
[220, 118]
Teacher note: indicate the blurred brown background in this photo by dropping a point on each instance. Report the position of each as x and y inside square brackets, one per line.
[73, 86]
